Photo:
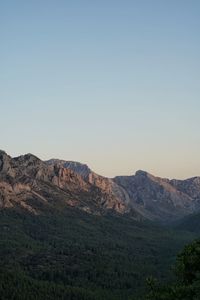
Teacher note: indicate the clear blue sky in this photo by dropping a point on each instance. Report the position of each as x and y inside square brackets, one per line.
[114, 84]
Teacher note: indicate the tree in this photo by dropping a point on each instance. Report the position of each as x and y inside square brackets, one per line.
[187, 283]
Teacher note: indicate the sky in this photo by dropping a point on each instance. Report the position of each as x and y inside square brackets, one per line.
[114, 84]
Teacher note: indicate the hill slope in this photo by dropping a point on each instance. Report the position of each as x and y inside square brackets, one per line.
[68, 233]
[71, 254]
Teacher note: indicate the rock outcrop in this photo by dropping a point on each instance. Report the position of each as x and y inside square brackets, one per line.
[29, 183]
[148, 196]
[26, 182]
[156, 198]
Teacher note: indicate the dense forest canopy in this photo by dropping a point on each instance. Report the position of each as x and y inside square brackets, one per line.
[74, 255]
[187, 283]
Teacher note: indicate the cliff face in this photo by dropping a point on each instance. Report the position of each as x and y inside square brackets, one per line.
[148, 196]
[190, 186]
[29, 183]
[156, 198]
[115, 196]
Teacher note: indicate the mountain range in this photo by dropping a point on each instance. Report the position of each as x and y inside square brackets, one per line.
[28, 183]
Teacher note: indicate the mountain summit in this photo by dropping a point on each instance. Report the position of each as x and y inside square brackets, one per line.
[27, 182]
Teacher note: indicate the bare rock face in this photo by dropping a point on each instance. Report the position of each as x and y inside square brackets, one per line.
[148, 196]
[156, 198]
[190, 186]
[27, 182]
[114, 196]
[6, 164]
[82, 169]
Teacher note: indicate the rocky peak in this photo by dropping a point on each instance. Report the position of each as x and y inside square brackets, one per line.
[141, 173]
[113, 196]
[2, 152]
[27, 178]
[189, 186]
[6, 164]
[30, 165]
[155, 197]
[27, 159]
[29, 183]
[77, 167]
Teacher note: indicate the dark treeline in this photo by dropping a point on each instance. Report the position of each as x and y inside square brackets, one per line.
[73, 255]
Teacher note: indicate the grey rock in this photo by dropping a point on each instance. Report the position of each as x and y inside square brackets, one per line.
[28, 183]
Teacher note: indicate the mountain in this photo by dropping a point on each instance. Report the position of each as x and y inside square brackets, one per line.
[35, 185]
[156, 198]
[190, 186]
[107, 185]
[70, 254]
[150, 197]
[29, 183]
[77, 167]
[69, 233]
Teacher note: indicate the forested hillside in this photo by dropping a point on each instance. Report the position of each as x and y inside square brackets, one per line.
[74, 255]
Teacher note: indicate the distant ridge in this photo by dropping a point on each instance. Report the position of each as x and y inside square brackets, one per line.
[26, 182]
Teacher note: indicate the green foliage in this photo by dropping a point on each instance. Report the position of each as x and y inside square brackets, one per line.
[188, 264]
[69, 254]
[190, 223]
[187, 283]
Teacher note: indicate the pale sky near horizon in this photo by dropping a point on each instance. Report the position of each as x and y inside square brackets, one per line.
[114, 84]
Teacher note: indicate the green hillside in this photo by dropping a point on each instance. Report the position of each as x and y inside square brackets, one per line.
[74, 255]
[190, 223]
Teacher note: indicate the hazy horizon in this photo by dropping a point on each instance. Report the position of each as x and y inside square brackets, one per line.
[113, 84]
